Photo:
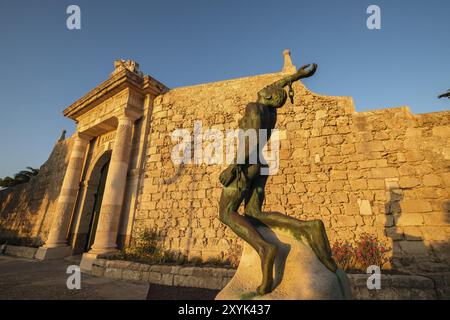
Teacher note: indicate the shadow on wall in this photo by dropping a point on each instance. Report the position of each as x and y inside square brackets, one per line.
[410, 253]
[24, 209]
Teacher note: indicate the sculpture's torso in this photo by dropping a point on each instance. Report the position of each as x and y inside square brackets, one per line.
[267, 117]
[258, 117]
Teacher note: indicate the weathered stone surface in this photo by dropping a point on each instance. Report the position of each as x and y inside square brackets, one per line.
[132, 275]
[399, 287]
[330, 156]
[27, 210]
[154, 277]
[20, 251]
[298, 273]
[98, 271]
[364, 207]
[113, 273]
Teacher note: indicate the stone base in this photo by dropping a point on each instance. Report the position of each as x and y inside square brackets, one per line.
[88, 258]
[298, 274]
[20, 251]
[44, 253]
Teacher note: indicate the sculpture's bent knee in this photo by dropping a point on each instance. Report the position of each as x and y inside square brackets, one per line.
[224, 215]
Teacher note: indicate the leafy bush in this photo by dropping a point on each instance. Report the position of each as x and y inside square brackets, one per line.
[148, 249]
[19, 178]
[33, 242]
[370, 251]
[344, 254]
[367, 251]
[196, 261]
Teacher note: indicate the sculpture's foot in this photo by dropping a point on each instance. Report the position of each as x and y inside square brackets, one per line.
[267, 260]
[318, 242]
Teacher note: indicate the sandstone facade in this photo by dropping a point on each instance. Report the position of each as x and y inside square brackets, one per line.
[385, 172]
[27, 210]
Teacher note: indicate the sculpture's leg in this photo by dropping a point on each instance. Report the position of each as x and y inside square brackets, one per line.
[230, 201]
[313, 231]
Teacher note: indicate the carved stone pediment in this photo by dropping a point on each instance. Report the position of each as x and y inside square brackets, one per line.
[129, 65]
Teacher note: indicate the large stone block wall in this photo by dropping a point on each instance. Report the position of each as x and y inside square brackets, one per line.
[384, 172]
[398, 287]
[26, 211]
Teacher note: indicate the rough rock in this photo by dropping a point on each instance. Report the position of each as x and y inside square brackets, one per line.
[298, 274]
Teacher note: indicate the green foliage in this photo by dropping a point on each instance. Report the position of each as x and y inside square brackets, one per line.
[343, 254]
[370, 251]
[216, 261]
[196, 261]
[33, 242]
[367, 251]
[445, 95]
[147, 249]
[19, 178]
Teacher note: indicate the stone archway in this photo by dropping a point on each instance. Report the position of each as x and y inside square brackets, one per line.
[90, 209]
[114, 105]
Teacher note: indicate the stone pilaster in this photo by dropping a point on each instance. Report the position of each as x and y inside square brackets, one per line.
[108, 224]
[56, 244]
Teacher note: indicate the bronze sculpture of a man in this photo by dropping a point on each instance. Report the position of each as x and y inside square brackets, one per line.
[244, 182]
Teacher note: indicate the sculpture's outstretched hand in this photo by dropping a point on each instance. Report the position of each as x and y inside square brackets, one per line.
[307, 70]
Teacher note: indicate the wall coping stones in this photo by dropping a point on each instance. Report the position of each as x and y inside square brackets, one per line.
[19, 251]
[393, 286]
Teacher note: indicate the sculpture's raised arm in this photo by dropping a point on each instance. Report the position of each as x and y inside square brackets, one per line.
[304, 72]
[273, 95]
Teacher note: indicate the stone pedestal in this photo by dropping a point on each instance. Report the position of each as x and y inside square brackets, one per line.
[87, 260]
[298, 274]
[45, 253]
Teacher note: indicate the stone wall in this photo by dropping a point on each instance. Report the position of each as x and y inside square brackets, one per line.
[184, 276]
[26, 210]
[393, 287]
[384, 172]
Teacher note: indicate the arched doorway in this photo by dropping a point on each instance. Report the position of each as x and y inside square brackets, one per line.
[98, 197]
[90, 202]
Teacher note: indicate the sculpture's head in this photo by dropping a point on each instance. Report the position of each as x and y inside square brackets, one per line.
[272, 96]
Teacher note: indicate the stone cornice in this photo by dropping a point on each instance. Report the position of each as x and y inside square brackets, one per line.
[117, 82]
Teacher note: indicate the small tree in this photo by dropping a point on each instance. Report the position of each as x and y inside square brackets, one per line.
[19, 178]
[445, 95]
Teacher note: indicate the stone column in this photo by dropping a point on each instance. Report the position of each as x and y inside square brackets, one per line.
[56, 244]
[108, 224]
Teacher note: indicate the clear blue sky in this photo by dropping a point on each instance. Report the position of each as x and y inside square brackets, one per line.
[45, 67]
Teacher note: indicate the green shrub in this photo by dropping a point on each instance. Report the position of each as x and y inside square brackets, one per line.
[367, 251]
[34, 242]
[147, 248]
